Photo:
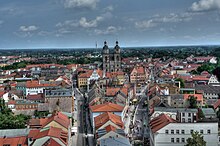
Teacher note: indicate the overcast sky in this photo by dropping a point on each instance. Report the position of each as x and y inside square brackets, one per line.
[82, 23]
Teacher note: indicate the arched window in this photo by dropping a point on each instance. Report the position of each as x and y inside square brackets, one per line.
[106, 58]
[117, 58]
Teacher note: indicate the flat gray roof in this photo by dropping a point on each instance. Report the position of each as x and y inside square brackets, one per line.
[115, 142]
[14, 132]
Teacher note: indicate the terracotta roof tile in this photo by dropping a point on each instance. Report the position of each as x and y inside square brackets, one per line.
[111, 91]
[216, 104]
[59, 118]
[107, 107]
[110, 128]
[105, 117]
[199, 96]
[160, 122]
[33, 133]
[36, 84]
[52, 132]
[14, 141]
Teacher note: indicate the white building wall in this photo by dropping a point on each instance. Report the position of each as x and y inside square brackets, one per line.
[213, 80]
[34, 91]
[170, 114]
[161, 138]
[210, 95]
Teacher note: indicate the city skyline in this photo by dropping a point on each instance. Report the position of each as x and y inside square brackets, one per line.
[82, 23]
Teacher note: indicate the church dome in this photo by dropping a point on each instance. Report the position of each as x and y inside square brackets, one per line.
[105, 48]
[117, 48]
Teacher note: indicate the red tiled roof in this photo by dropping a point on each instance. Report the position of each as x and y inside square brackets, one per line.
[216, 104]
[14, 141]
[2, 93]
[199, 96]
[35, 97]
[53, 132]
[107, 107]
[33, 133]
[36, 84]
[160, 122]
[114, 74]
[105, 117]
[43, 65]
[12, 102]
[59, 118]
[200, 78]
[204, 73]
[110, 128]
[70, 66]
[203, 58]
[88, 73]
[111, 91]
[37, 123]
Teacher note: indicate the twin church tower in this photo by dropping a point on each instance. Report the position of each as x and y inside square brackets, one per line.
[111, 60]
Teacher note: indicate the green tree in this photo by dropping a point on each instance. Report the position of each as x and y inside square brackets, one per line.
[192, 100]
[196, 140]
[206, 67]
[10, 121]
[182, 85]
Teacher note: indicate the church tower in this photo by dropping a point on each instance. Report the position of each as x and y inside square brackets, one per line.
[105, 57]
[117, 58]
[111, 60]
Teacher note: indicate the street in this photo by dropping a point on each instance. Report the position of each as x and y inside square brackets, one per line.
[140, 130]
[85, 135]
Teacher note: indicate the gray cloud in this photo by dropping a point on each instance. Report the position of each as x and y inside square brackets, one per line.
[83, 22]
[145, 24]
[108, 30]
[158, 19]
[205, 5]
[26, 31]
[28, 28]
[80, 3]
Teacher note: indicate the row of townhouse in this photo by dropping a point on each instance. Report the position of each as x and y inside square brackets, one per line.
[51, 131]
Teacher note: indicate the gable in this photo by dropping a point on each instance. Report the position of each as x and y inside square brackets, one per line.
[107, 124]
[56, 124]
[110, 134]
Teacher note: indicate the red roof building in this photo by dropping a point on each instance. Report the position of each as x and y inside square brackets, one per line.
[106, 117]
[160, 122]
[14, 141]
[107, 107]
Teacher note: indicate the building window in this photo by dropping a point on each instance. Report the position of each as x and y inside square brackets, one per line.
[189, 120]
[201, 131]
[183, 120]
[183, 131]
[177, 140]
[183, 114]
[209, 131]
[219, 139]
[177, 132]
[167, 131]
[172, 131]
[189, 114]
[172, 140]
[191, 131]
[183, 139]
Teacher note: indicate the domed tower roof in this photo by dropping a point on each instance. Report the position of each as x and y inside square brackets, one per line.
[117, 48]
[105, 48]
